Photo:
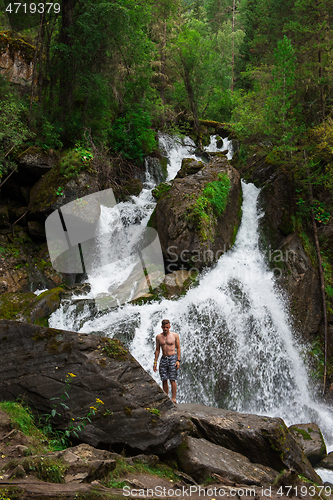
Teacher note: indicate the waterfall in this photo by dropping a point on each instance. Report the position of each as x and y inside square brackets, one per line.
[238, 349]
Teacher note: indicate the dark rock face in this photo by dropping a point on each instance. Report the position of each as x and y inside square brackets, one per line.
[133, 187]
[53, 190]
[186, 239]
[201, 459]
[36, 162]
[36, 361]
[263, 440]
[36, 230]
[285, 251]
[310, 440]
[327, 462]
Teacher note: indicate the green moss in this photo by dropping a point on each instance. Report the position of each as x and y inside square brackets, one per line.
[10, 40]
[160, 190]
[75, 161]
[11, 303]
[42, 322]
[11, 493]
[128, 411]
[43, 334]
[50, 300]
[114, 349]
[209, 205]
[47, 469]
[303, 432]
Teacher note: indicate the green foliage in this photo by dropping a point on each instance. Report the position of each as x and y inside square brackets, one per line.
[320, 213]
[114, 349]
[132, 135]
[13, 125]
[217, 194]
[160, 190]
[75, 161]
[21, 418]
[60, 439]
[123, 468]
[212, 202]
[281, 111]
[154, 411]
[47, 136]
[46, 469]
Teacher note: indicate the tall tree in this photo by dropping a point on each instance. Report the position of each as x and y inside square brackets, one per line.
[311, 32]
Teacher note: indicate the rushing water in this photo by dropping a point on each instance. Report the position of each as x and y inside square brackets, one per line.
[238, 350]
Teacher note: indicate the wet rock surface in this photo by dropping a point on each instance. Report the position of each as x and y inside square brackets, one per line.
[202, 459]
[37, 361]
[310, 440]
[285, 252]
[263, 440]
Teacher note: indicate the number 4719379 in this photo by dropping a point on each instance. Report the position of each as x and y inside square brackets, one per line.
[33, 8]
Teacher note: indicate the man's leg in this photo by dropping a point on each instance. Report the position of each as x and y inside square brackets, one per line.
[165, 386]
[173, 389]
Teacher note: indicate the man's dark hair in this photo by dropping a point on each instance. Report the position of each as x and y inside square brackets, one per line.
[165, 322]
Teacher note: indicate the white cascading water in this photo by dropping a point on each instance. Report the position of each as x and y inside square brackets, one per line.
[238, 350]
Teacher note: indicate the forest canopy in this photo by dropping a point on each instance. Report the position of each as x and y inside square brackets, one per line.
[123, 69]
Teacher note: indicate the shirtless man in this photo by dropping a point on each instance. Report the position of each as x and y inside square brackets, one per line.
[170, 361]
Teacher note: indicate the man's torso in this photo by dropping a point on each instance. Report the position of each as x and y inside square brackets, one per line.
[167, 343]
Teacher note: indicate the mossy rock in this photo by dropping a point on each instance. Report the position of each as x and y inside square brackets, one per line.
[41, 308]
[10, 40]
[189, 166]
[12, 303]
[59, 187]
[133, 187]
[114, 349]
[161, 190]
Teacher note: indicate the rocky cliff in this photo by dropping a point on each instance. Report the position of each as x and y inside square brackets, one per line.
[197, 217]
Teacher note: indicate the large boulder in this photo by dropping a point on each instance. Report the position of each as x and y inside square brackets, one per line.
[198, 217]
[36, 162]
[201, 459]
[132, 412]
[54, 190]
[263, 440]
[41, 306]
[310, 440]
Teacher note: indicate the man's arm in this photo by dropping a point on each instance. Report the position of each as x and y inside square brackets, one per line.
[157, 353]
[177, 343]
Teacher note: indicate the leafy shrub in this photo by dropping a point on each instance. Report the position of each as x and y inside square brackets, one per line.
[75, 161]
[132, 136]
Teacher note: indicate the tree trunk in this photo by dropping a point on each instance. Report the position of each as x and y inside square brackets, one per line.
[37, 60]
[190, 95]
[66, 78]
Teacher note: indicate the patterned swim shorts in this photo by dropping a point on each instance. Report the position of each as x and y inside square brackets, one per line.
[167, 367]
